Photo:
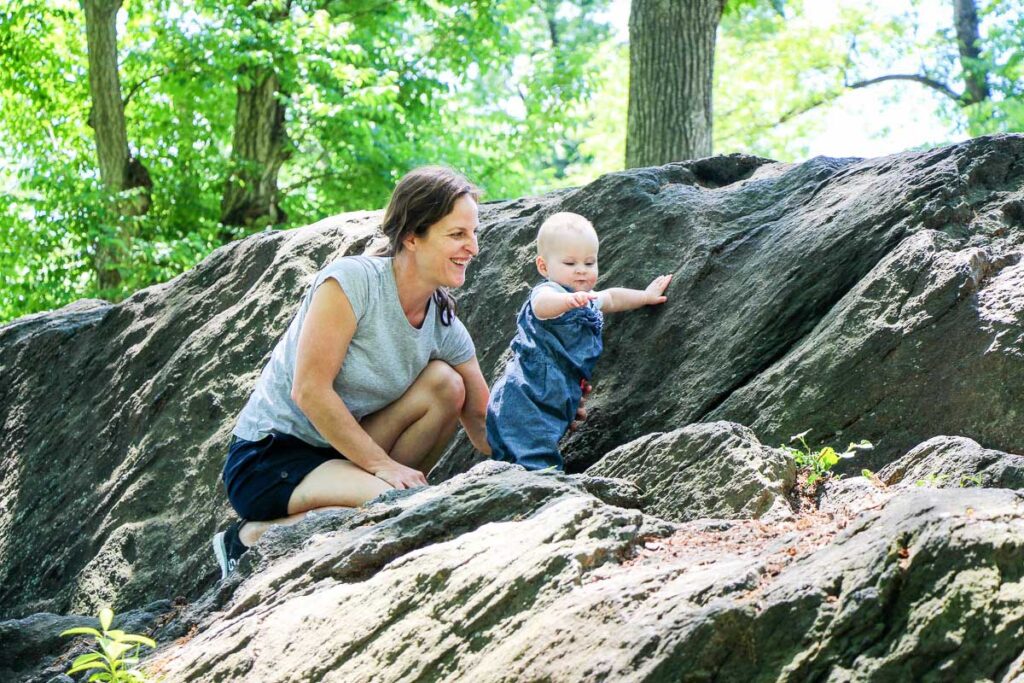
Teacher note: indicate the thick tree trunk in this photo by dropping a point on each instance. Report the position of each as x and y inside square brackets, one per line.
[968, 38]
[118, 170]
[259, 148]
[671, 63]
[107, 116]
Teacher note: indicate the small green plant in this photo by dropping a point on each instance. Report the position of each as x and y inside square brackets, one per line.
[818, 464]
[114, 655]
[932, 479]
[936, 480]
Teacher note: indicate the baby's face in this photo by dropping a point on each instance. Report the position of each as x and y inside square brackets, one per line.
[571, 261]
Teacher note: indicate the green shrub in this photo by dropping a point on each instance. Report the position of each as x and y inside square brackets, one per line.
[818, 464]
[114, 655]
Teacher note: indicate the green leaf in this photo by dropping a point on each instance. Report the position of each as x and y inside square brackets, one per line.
[116, 650]
[827, 456]
[106, 618]
[867, 474]
[81, 630]
[87, 657]
[130, 638]
[87, 666]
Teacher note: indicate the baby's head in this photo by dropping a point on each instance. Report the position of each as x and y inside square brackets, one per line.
[567, 247]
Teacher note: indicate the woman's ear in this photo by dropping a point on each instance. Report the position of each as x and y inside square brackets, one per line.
[542, 267]
[409, 242]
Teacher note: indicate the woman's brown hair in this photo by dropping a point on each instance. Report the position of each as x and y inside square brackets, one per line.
[421, 198]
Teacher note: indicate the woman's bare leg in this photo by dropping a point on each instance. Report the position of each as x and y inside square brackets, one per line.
[414, 430]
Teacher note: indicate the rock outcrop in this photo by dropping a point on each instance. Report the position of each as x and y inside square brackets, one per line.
[877, 299]
[717, 469]
[580, 590]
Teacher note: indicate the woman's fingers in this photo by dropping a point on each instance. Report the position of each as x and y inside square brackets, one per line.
[401, 477]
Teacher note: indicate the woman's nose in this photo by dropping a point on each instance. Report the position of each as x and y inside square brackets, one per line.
[474, 245]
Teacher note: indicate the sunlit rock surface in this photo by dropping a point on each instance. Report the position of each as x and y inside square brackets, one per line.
[877, 299]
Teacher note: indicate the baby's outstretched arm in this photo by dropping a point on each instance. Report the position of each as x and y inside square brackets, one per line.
[621, 299]
[548, 303]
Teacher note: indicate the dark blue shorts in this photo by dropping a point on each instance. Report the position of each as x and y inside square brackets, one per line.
[260, 476]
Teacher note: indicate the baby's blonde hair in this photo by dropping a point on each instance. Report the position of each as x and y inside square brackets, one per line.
[562, 223]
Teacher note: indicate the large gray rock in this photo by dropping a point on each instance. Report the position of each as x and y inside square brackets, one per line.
[955, 462]
[114, 419]
[717, 469]
[875, 299]
[575, 590]
[932, 336]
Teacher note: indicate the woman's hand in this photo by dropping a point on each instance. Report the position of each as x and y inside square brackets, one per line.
[401, 477]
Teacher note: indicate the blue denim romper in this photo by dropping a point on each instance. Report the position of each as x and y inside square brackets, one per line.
[534, 402]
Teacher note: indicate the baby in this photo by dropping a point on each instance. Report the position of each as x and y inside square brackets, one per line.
[556, 345]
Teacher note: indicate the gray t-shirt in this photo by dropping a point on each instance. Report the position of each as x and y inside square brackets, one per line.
[384, 358]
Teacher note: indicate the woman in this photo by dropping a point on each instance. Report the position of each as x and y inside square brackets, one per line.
[364, 391]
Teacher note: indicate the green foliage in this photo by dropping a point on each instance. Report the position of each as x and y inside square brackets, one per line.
[114, 654]
[494, 88]
[937, 480]
[522, 96]
[970, 480]
[932, 480]
[818, 464]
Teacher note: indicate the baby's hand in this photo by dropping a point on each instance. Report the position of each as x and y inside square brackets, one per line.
[578, 299]
[656, 290]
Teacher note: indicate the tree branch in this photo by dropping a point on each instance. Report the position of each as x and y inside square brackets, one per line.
[135, 88]
[827, 97]
[917, 78]
[305, 181]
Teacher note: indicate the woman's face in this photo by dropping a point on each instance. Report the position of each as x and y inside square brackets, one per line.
[445, 250]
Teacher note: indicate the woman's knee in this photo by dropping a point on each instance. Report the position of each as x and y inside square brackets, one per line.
[444, 384]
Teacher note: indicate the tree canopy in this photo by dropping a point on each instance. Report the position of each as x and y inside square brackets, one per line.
[522, 96]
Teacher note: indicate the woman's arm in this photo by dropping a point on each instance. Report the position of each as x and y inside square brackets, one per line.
[323, 342]
[474, 409]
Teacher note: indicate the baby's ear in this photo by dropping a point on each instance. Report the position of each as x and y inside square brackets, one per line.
[542, 267]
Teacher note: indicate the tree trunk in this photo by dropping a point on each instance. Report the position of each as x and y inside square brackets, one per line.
[968, 38]
[118, 170]
[671, 63]
[259, 148]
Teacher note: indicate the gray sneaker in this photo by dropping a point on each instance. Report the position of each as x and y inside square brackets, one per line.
[228, 548]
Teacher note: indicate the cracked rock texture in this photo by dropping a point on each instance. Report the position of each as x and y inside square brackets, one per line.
[878, 299]
[718, 469]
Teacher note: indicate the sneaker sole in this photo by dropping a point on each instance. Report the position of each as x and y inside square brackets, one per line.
[221, 553]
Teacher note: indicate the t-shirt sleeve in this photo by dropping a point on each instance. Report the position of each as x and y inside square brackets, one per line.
[354, 278]
[456, 345]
